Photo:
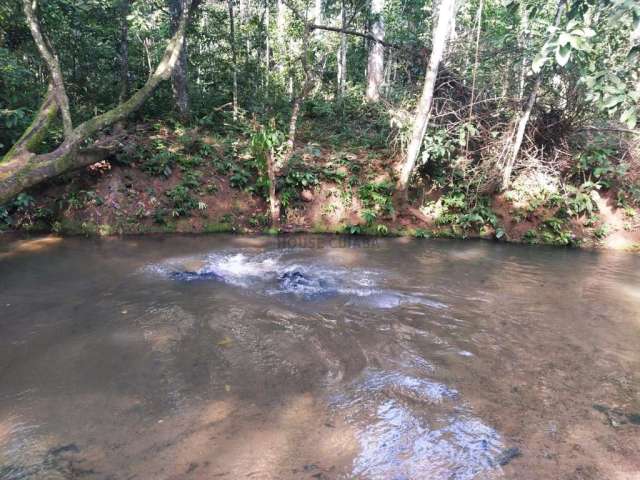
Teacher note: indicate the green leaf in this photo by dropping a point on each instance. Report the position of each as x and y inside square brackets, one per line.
[634, 54]
[613, 101]
[538, 62]
[589, 32]
[579, 43]
[564, 38]
[562, 54]
[629, 117]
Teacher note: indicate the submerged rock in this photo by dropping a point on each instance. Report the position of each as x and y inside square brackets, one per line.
[507, 455]
[617, 418]
[188, 276]
[297, 282]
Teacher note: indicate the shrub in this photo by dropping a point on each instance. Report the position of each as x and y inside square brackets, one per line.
[182, 201]
[161, 163]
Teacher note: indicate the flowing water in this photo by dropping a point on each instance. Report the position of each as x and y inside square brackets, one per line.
[316, 358]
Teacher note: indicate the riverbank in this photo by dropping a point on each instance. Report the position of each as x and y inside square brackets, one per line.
[163, 179]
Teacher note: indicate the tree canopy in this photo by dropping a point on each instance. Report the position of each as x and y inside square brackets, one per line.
[511, 86]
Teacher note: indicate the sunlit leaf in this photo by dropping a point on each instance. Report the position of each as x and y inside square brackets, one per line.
[538, 62]
[629, 118]
[611, 102]
[562, 54]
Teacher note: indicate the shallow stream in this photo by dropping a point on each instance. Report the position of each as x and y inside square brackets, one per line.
[316, 357]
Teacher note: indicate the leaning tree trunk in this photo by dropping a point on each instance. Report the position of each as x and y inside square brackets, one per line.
[440, 37]
[21, 168]
[526, 114]
[179, 77]
[375, 63]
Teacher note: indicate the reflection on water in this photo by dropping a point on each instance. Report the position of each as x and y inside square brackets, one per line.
[238, 357]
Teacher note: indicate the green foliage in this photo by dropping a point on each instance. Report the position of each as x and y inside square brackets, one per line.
[23, 202]
[382, 229]
[369, 216]
[220, 227]
[263, 143]
[161, 163]
[191, 179]
[181, 200]
[5, 218]
[422, 233]
[578, 200]
[240, 178]
[458, 210]
[352, 229]
[296, 179]
[601, 232]
[588, 93]
[595, 165]
[377, 197]
[553, 231]
[160, 216]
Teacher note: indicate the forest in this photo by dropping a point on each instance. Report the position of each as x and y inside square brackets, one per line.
[503, 119]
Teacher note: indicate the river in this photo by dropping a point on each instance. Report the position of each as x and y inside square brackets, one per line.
[316, 357]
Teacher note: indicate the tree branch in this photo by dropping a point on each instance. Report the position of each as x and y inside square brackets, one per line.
[33, 135]
[24, 169]
[313, 26]
[52, 62]
[358, 34]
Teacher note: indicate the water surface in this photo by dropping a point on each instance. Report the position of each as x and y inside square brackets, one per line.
[316, 358]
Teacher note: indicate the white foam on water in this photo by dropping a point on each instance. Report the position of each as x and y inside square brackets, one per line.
[241, 269]
[264, 270]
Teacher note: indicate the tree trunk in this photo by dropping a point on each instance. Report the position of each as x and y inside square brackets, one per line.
[179, 77]
[307, 86]
[342, 53]
[524, 26]
[317, 12]
[267, 41]
[51, 60]
[526, 114]
[375, 63]
[234, 59]
[274, 204]
[34, 134]
[124, 50]
[21, 168]
[440, 36]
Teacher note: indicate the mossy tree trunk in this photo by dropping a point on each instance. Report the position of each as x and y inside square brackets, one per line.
[21, 168]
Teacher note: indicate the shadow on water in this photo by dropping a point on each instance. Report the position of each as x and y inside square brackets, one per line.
[233, 357]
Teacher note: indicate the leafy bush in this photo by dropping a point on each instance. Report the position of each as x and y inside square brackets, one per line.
[377, 196]
[352, 229]
[594, 166]
[182, 201]
[191, 179]
[5, 217]
[369, 216]
[239, 179]
[23, 202]
[161, 163]
[296, 179]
